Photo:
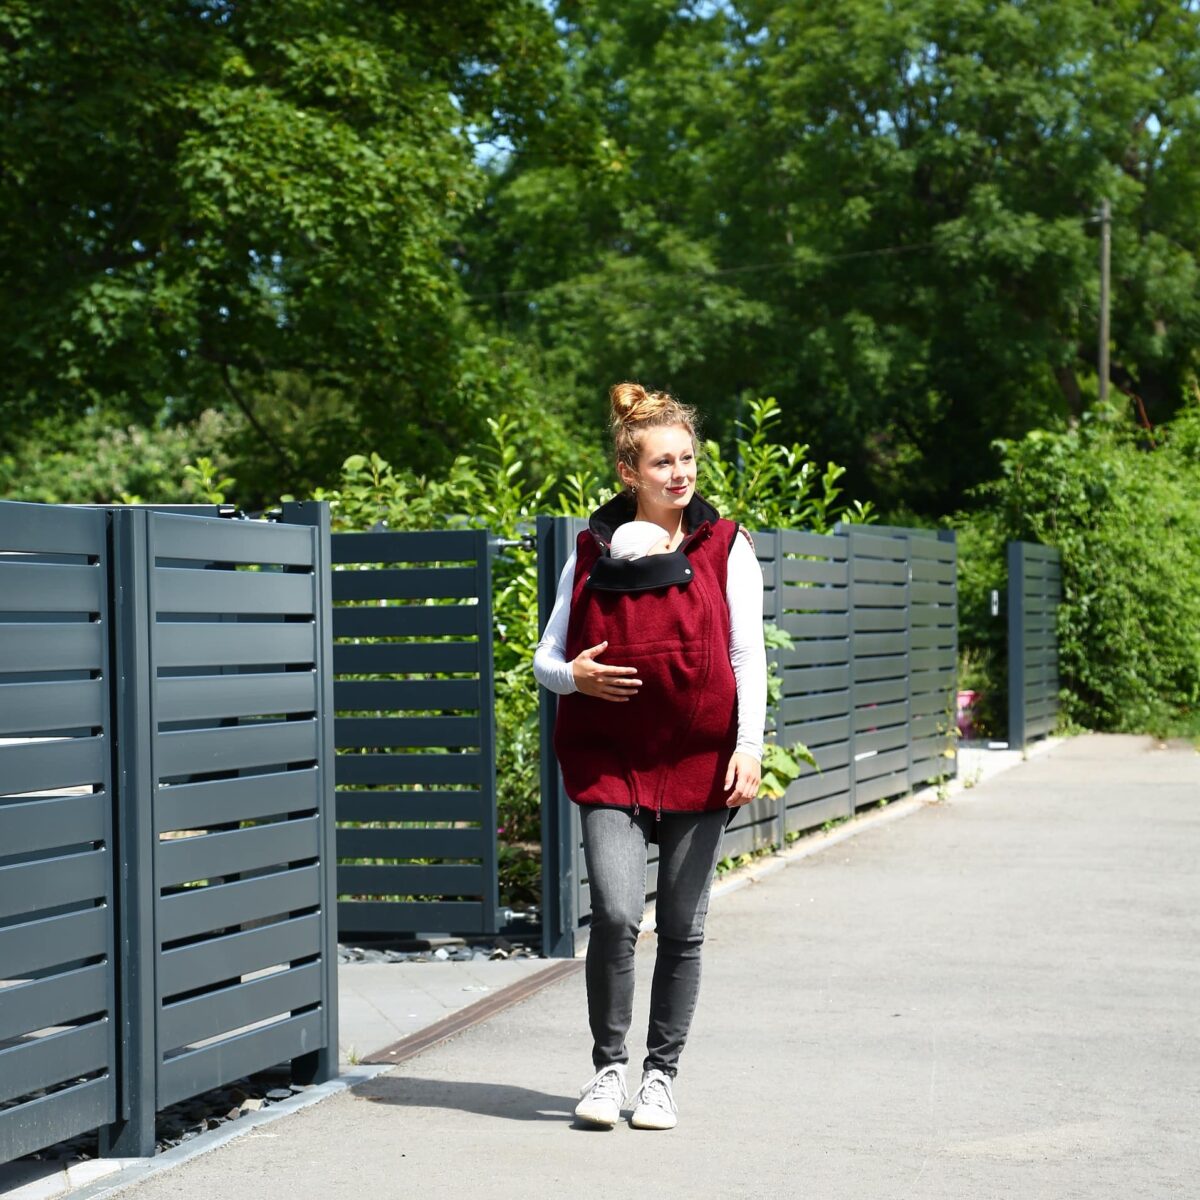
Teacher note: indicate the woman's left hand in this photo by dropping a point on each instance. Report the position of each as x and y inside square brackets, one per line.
[742, 776]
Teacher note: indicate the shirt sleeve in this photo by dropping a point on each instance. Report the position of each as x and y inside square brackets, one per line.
[747, 650]
[550, 667]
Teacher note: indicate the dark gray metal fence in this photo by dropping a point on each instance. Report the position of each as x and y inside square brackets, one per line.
[207, 741]
[1034, 594]
[58, 1015]
[868, 686]
[416, 772]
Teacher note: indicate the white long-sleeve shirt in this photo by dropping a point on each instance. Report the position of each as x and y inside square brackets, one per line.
[747, 652]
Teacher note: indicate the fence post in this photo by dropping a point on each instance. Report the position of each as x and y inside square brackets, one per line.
[559, 885]
[486, 550]
[851, 735]
[777, 618]
[908, 669]
[1016, 645]
[321, 1065]
[132, 1135]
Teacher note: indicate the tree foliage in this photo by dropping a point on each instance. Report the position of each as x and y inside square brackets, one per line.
[884, 215]
[1125, 514]
[249, 207]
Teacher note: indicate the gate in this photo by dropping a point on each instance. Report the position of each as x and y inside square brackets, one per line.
[415, 730]
[1034, 594]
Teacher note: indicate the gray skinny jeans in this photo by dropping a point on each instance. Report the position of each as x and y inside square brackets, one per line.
[614, 845]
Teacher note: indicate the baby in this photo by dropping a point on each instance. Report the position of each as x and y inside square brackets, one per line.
[636, 539]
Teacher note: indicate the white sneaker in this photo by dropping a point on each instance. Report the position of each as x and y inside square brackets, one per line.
[602, 1096]
[654, 1104]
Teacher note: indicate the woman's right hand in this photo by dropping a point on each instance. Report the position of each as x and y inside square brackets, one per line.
[604, 682]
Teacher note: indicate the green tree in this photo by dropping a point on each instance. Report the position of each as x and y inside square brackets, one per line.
[884, 215]
[250, 207]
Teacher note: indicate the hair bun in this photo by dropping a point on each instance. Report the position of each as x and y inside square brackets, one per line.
[629, 402]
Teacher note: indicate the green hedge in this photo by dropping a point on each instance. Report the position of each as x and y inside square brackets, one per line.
[1123, 507]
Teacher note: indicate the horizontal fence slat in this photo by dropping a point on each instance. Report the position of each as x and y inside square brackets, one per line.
[816, 733]
[815, 679]
[815, 653]
[382, 658]
[813, 706]
[802, 625]
[378, 916]
[53, 941]
[214, 539]
[188, 1021]
[815, 599]
[809, 814]
[51, 529]
[228, 644]
[219, 801]
[49, 883]
[37, 648]
[454, 880]
[34, 825]
[202, 910]
[196, 751]
[386, 695]
[420, 546]
[408, 731]
[878, 741]
[212, 1066]
[51, 765]
[819, 545]
[806, 570]
[201, 697]
[411, 768]
[407, 620]
[47, 587]
[413, 583]
[884, 788]
[29, 708]
[412, 843]
[416, 805]
[213, 855]
[877, 715]
[224, 958]
[180, 590]
[54, 1118]
[53, 1059]
[54, 1000]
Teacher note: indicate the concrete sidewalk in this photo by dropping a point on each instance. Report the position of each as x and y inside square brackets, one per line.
[996, 997]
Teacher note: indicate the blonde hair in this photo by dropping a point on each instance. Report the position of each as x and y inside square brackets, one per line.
[634, 410]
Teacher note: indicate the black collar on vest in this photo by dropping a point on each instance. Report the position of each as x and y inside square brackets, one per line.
[621, 508]
[610, 574]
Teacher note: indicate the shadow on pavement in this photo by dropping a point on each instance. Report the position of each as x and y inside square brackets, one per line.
[487, 1099]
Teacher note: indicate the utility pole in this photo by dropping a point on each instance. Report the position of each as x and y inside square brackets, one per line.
[1105, 256]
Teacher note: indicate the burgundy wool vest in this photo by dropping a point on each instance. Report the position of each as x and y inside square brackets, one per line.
[668, 748]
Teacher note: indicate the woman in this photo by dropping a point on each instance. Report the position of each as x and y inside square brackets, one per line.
[660, 666]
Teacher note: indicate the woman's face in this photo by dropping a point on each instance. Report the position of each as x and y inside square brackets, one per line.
[665, 479]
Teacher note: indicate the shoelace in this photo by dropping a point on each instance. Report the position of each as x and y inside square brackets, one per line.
[656, 1093]
[605, 1085]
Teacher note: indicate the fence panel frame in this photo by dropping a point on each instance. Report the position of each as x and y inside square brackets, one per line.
[473, 621]
[53, 820]
[1034, 594]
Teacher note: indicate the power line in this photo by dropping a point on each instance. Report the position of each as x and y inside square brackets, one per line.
[818, 260]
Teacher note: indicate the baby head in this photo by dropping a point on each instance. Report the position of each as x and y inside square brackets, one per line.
[635, 539]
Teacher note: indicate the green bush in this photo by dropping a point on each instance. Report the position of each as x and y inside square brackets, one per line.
[1123, 507]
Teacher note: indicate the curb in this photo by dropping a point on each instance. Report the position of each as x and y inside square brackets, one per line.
[143, 1168]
